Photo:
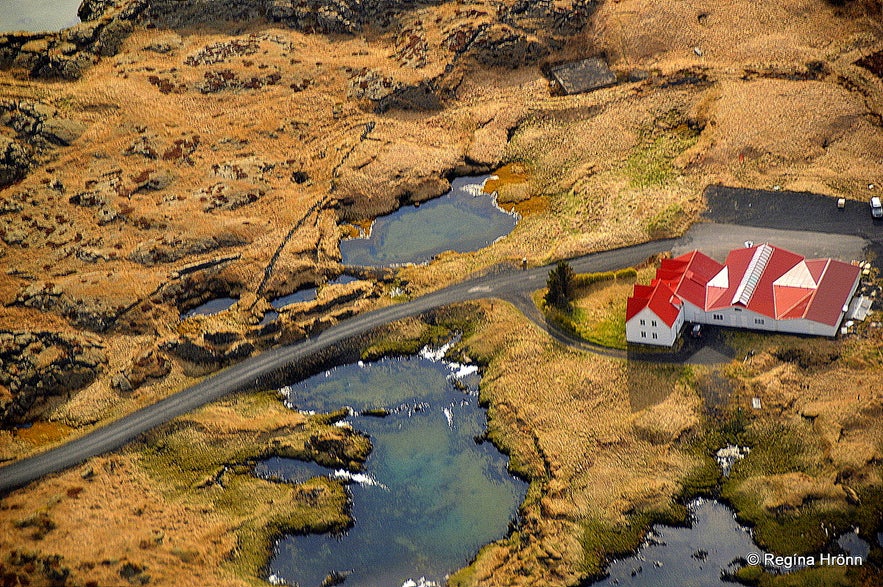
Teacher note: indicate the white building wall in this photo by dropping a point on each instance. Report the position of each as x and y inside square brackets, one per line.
[745, 318]
[730, 317]
[653, 330]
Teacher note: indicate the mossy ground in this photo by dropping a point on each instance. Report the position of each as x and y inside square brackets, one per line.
[205, 460]
[597, 312]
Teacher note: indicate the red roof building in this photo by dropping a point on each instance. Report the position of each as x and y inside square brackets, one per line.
[761, 287]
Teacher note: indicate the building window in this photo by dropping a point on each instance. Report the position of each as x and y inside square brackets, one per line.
[643, 334]
[654, 335]
[654, 323]
[643, 322]
[738, 309]
[717, 316]
[758, 320]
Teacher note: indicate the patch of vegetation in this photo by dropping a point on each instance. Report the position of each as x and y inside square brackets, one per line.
[30, 568]
[318, 505]
[820, 576]
[667, 222]
[809, 354]
[789, 519]
[436, 328]
[560, 286]
[606, 325]
[206, 459]
[392, 345]
[603, 541]
[650, 165]
[40, 522]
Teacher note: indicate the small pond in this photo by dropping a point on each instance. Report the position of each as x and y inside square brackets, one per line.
[465, 219]
[430, 495]
[342, 279]
[38, 15]
[210, 307]
[713, 544]
[303, 295]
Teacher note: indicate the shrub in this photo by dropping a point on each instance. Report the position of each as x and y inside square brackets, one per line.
[561, 286]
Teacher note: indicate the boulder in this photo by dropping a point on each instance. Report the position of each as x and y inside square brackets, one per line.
[62, 131]
[15, 161]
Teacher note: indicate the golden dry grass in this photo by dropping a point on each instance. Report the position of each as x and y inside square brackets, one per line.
[155, 505]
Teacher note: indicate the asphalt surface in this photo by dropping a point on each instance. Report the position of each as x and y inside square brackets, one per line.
[806, 213]
[797, 211]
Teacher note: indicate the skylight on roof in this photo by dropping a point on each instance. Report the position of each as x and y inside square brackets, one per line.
[753, 274]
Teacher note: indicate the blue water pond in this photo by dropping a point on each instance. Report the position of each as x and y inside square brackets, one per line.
[430, 495]
[465, 219]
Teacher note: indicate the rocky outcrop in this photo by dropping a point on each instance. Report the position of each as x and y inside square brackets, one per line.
[170, 248]
[41, 125]
[66, 54]
[37, 365]
[200, 356]
[97, 317]
[379, 92]
[148, 365]
[502, 45]
[15, 161]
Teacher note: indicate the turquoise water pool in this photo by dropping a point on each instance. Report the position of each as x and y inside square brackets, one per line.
[430, 496]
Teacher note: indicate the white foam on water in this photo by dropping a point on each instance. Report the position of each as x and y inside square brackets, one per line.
[437, 355]
[361, 478]
[450, 417]
[727, 456]
[276, 580]
[463, 370]
[422, 582]
[474, 189]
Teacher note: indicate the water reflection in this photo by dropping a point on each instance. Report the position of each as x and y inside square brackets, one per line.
[465, 219]
[212, 306]
[703, 554]
[38, 15]
[431, 496]
[303, 295]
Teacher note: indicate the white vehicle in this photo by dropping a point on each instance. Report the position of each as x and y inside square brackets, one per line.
[876, 207]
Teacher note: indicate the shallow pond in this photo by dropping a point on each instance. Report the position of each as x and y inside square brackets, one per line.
[38, 15]
[430, 496]
[303, 295]
[210, 307]
[465, 219]
[698, 555]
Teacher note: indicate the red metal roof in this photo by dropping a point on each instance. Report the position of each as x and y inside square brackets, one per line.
[698, 270]
[816, 289]
[834, 290]
[659, 297]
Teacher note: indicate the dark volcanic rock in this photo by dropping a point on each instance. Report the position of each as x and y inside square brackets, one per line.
[39, 124]
[501, 45]
[201, 358]
[15, 161]
[381, 93]
[147, 365]
[36, 365]
[92, 314]
[66, 54]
